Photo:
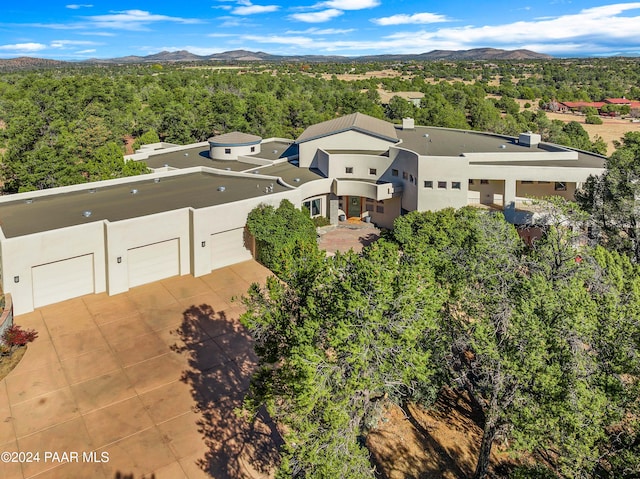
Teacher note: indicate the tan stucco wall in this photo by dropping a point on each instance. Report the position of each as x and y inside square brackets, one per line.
[217, 219]
[361, 164]
[218, 152]
[122, 236]
[20, 254]
[348, 140]
[391, 212]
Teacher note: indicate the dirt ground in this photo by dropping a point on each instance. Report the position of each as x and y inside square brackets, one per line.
[610, 130]
[430, 444]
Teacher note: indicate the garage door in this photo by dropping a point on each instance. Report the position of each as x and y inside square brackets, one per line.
[62, 280]
[228, 248]
[153, 262]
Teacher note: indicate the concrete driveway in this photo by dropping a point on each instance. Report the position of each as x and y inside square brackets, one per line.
[142, 383]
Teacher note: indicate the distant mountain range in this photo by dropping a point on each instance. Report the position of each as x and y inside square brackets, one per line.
[237, 56]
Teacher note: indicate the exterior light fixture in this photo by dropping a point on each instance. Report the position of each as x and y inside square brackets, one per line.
[204, 243]
[16, 279]
[119, 259]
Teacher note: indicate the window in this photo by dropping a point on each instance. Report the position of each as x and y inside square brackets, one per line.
[560, 186]
[379, 209]
[470, 181]
[394, 172]
[455, 185]
[411, 178]
[373, 171]
[314, 206]
[442, 184]
[405, 175]
[543, 182]
[348, 169]
[484, 182]
[227, 151]
[368, 207]
[525, 182]
[253, 149]
[428, 184]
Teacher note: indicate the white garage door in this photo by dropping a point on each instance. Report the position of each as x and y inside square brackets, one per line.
[154, 262]
[228, 248]
[62, 280]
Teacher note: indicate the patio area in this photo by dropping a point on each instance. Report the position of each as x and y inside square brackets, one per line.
[349, 235]
[141, 383]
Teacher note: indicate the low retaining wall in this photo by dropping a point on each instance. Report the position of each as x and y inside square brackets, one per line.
[6, 320]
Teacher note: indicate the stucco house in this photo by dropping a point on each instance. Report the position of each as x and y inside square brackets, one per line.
[188, 216]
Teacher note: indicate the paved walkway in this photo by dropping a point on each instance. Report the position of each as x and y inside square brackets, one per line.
[146, 380]
[349, 236]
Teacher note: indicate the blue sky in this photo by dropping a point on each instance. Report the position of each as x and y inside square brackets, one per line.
[107, 29]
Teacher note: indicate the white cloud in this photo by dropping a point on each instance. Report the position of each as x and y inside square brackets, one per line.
[317, 17]
[594, 31]
[349, 4]
[304, 42]
[24, 47]
[134, 20]
[65, 43]
[76, 6]
[321, 31]
[84, 52]
[248, 8]
[416, 18]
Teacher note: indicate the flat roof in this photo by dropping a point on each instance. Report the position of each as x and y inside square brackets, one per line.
[117, 202]
[289, 172]
[445, 142]
[188, 158]
[199, 156]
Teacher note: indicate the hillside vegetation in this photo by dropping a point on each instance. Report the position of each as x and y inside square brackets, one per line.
[68, 125]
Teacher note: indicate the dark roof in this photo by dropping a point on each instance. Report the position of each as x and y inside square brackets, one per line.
[198, 156]
[289, 173]
[447, 142]
[117, 202]
[356, 121]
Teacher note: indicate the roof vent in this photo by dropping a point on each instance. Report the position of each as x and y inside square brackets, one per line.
[86, 214]
[92, 190]
[296, 180]
[134, 191]
[228, 169]
[29, 201]
[186, 154]
[221, 188]
[275, 151]
[503, 146]
[156, 180]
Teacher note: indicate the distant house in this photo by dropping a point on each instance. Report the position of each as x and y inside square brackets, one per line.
[578, 106]
[189, 215]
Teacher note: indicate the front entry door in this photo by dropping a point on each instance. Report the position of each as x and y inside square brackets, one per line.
[353, 210]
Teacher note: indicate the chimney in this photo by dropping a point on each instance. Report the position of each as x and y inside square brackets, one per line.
[529, 139]
[408, 124]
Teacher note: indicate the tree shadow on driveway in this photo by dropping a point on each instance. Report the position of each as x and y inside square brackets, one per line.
[221, 361]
